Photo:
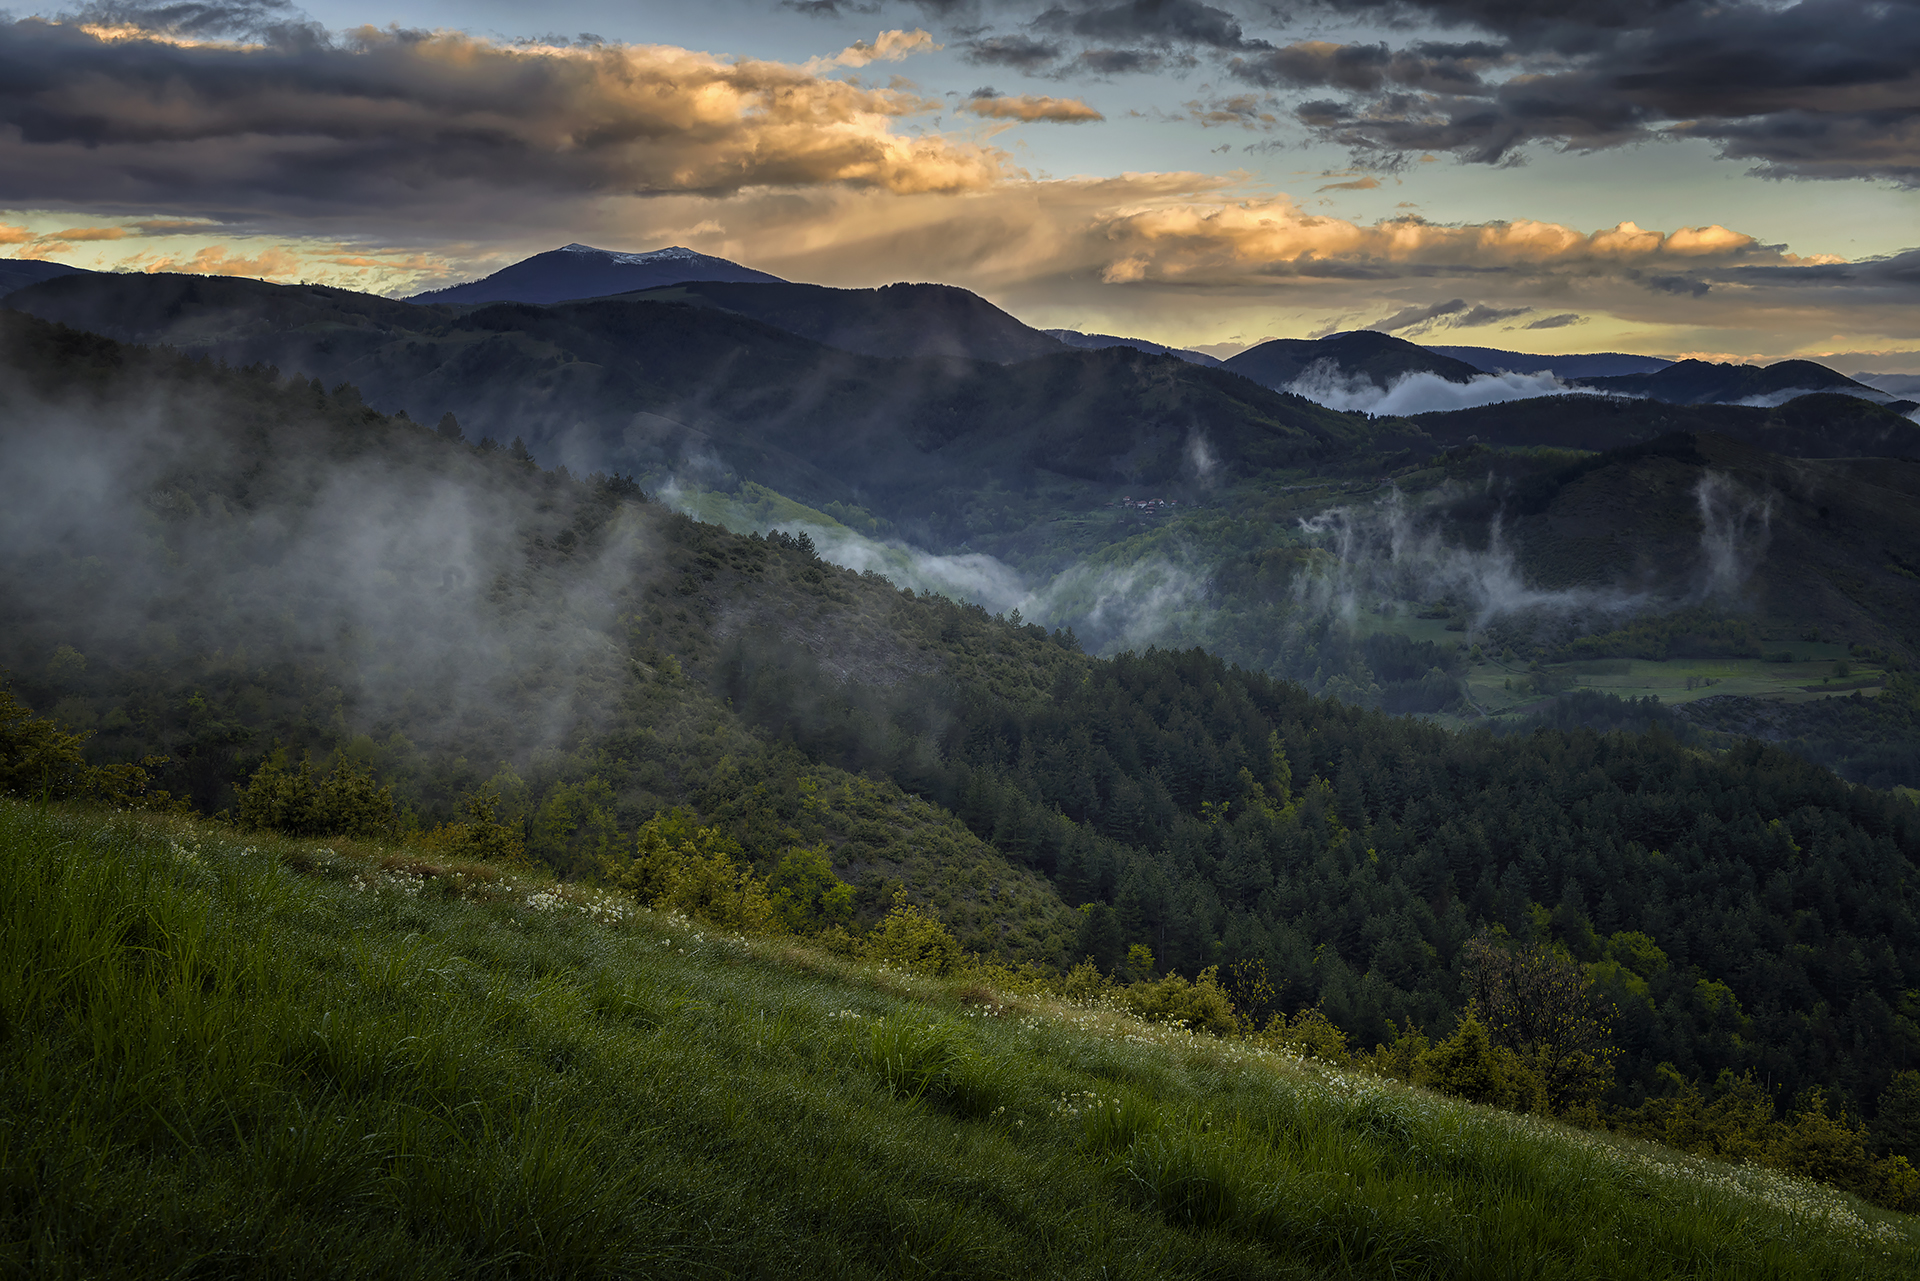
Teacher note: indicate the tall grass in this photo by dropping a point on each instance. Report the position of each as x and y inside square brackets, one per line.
[221, 1058]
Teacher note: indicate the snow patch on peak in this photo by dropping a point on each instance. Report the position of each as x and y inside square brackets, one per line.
[672, 253]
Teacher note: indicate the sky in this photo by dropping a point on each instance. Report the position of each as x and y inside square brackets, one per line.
[1737, 179]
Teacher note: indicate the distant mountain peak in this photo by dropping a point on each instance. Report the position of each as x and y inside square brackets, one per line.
[673, 253]
[583, 271]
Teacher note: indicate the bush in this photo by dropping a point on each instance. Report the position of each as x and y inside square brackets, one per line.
[1202, 1005]
[1310, 1034]
[1468, 1065]
[806, 895]
[299, 803]
[913, 940]
[481, 837]
[40, 759]
[714, 888]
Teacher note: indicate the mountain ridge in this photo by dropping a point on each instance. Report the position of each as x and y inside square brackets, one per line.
[582, 271]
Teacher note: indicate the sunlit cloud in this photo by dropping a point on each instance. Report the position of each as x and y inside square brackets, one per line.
[1028, 108]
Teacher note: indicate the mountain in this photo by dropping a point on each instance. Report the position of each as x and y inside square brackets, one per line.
[581, 271]
[1904, 385]
[894, 320]
[18, 273]
[645, 384]
[1361, 353]
[216, 563]
[1093, 342]
[1801, 545]
[1606, 364]
[1816, 425]
[1694, 382]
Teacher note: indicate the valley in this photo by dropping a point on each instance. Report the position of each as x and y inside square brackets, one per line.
[1256, 715]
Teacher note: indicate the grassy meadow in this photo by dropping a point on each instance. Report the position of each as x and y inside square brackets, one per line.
[240, 1056]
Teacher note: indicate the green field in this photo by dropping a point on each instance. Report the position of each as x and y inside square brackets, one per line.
[254, 1057]
[1496, 686]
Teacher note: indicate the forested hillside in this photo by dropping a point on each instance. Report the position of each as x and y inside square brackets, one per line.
[221, 564]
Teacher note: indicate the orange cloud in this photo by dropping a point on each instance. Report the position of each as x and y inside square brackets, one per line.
[83, 234]
[1028, 107]
[216, 260]
[888, 46]
[432, 118]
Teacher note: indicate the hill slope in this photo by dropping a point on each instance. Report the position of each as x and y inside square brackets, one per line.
[1605, 364]
[18, 273]
[1362, 353]
[257, 1058]
[581, 271]
[1818, 425]
[1695, 382]
[1093, 342]
[630, 385]
[210, 563]
[896, 320]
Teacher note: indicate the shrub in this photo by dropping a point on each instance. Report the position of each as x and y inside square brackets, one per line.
[300, 803]
[913, 940]
[713, 888]
[1470, 1066]
[39, 758]
[679, 866]
[806, 895]
[1201, 1005]
[1310, 1034]
[481, 837]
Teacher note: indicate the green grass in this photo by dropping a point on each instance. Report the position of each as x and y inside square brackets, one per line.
[1810, 676]
[227, 1056]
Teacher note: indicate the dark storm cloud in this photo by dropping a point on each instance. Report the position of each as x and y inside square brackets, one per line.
[1485, 315]
[1023, 53]
[1820, 89]
[1420, 317]
[828, 8]
[1118, 62]
[399, 121]
[1451, 314]
[1151, 21]
[1369, 68]
[1684, 286]
[245, 19]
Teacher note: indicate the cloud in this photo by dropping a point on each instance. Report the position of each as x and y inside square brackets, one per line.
[1324, 383]
[1418, 318]
[1021, 52]
[405, 123]
[1249, 111]
[1119, 62]
[1030, 108]
[1817, 89]
[1358, 184]
[1369, 68]
[1452, 314]
[1559, 321]
[1686, 285]
[273, 263]
[888, 46]
[1151, 21]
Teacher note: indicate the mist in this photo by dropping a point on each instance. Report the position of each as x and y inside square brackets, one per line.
[1735, 527]
[1387, 554]
[1108, 607]
[1394, 551]
[1325, 383]
[399, 588]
